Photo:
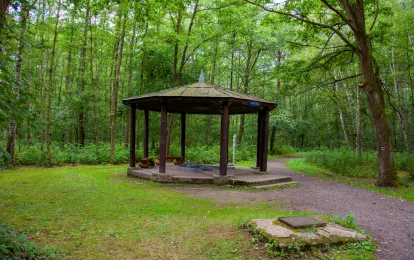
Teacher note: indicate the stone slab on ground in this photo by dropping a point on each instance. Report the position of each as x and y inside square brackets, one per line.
[332, 233]
[302, 222]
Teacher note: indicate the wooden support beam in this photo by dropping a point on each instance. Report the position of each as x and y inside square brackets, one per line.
[265, 140]
[259, 139]
[133, 117]
[183, 117]
[163, 138]
[224, 139]
[146, 125]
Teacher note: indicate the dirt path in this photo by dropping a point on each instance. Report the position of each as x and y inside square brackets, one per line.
[388, 220]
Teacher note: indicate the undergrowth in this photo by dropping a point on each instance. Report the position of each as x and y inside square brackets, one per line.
[14, 245]
[346, 163]
[91, 155]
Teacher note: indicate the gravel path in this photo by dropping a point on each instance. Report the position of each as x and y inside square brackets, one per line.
[388, 220]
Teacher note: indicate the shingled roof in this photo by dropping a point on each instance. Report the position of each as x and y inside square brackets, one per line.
[199, 98]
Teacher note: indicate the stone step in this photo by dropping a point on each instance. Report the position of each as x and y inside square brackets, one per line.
[275, 185]
[260, 180]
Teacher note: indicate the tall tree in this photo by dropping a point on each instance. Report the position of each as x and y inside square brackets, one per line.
[114, 98]
[352, 16]
[82, 80]
[11, 136]
[179, 63]
[50, 89]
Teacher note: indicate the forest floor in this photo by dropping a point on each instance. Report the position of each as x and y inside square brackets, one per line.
[388, 220]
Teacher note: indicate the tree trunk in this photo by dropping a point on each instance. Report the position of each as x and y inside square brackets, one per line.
[4, 5]
[387, 176]
[213, 74]
[241, 130]
[81, 114]
[250, 64]
[272, 140]
[178, 71]
[11, 136]
[94, 94]
[68, 77]
[141, 78]
[358, 127]
[114, 99]
[129, 86]
[342, 119]
[233, 41]
[402, 111]
[50, 89]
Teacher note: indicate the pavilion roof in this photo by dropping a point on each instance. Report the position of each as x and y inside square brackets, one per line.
[199, 98]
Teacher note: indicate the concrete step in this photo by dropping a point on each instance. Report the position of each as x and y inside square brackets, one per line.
[259, 180]
[275, 185]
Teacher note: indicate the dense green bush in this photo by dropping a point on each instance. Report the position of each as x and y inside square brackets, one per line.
[345, 162]
[74, 154]
[285, 150]
[405, 161]
[14, 245]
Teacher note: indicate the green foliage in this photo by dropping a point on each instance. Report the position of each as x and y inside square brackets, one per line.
[14, 245]
[405, 162]
[75, 154]
[347, 221]
[4, 156]
[285, 150]
[335, 160]
[72, 154]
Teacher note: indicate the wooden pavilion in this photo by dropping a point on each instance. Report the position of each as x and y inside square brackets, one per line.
[200, 98]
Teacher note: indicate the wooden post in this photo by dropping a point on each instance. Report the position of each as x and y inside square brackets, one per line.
[183, 117]
[224, 139]
[163, 137]
[259, 139]
[133, 117]
[265, 140]
[146, 124]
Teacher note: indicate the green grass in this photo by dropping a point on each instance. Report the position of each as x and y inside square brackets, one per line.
[304, 166]
[88, 212]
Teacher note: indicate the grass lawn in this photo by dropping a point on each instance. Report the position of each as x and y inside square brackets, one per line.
[88, 212]
[406, 193]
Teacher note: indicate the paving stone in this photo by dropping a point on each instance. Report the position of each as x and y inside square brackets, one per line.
[272, 229]
[336, 233]
[302, 222]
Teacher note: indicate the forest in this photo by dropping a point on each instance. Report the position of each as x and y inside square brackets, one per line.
[341, 73]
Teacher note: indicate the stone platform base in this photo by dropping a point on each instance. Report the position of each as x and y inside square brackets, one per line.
[331, 233]
[237, 177]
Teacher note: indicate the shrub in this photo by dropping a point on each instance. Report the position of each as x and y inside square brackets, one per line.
[31, 155]
[405, 162]
[14, 245]
[345, 162]
[285, 150]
